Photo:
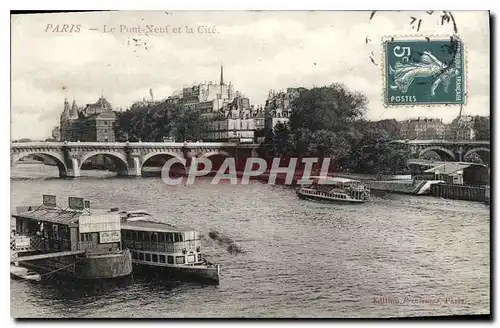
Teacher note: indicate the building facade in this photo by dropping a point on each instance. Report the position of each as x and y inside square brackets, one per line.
[56, 133]
[94, 122]
[423, 128]
[236, 121]
[207, 98]
[228, 114]
[462, 128]
[278, 108]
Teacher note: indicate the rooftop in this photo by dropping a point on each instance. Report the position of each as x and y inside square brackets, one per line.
[447, 168]
[58, 215]
[138, 220]
[333, 180]
[146, 224]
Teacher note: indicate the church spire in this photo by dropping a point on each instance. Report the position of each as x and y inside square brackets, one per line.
[74, 110]
[221, 75]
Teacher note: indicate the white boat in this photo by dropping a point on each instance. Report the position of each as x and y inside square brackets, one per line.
[171, 250]
[24, 273]
[334, 189]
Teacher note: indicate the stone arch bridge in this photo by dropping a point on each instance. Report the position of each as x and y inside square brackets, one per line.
[449, 150]
[128, 157]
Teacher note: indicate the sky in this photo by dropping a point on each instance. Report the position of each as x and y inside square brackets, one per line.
[260, 51]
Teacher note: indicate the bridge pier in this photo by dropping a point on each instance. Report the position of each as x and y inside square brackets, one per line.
[459, 156]
[134, 167]
[73, 169]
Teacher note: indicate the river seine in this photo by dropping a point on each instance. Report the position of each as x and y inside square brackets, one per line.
[394, 256]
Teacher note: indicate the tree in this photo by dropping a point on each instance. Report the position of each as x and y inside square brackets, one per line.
[481, 128]
[391, 126]
[277, 140]
[375, 154]
[321, 122]
[473, 158]
[331, 108]
[431, 156]
[186, 124]
[155, 120]
[24, 140]
[328, 144]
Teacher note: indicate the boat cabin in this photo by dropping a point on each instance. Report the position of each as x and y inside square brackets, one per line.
[335, 188]
[49, 228]
[155, 243]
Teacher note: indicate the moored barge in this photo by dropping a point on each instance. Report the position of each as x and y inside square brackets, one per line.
[76, 240]
[171, 251]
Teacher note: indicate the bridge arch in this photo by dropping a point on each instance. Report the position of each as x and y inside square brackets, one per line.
[56, 157]
[217, 158]
[441, 151]
[478, 150]
[120, 160]
[166, 153]
[215, 152]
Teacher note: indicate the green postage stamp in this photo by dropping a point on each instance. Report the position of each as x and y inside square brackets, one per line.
[424, 71]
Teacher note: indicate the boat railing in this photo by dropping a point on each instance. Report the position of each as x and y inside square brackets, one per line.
[177, 247]
[361, 193]
[86, 245]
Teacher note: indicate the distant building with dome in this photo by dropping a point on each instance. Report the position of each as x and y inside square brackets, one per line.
[94, 122]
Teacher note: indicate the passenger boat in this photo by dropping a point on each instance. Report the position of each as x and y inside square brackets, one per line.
[333, 189]
[171, 250]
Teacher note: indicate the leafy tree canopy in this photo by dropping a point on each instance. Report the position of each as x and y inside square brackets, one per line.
[327, 108]
[482, 128]
[154, 121]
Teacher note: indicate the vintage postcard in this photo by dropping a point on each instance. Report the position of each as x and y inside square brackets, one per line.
[250, 164]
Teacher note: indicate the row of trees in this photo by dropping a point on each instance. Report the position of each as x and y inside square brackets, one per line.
[328, 122]
[154, 121]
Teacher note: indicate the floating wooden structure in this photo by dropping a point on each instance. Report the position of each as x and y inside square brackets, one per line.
[76, 240]
[452, 191]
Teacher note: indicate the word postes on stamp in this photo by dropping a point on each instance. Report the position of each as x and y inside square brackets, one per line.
[424, 72]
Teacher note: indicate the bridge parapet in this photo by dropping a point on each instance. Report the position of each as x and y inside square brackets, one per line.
[443, 142]
[123, 144]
